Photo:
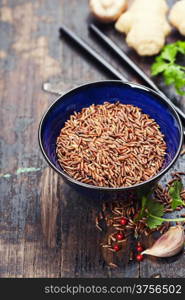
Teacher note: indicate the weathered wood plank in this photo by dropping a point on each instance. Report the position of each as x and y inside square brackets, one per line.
[50, 206]
[28, 57]
[47, 229]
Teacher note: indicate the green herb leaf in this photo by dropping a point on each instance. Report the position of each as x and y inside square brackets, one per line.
[181, 46]
[169, 53]
[174, 75]
[144, 201]
[155, 208]
[151, 209]
[153, 222]
[159, 67]
[165, 64]
[143, 207]
[174, 192]
[154, 211]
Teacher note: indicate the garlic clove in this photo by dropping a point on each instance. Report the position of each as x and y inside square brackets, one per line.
[169, 244]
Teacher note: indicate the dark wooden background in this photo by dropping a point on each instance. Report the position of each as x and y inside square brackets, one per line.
[46, 229]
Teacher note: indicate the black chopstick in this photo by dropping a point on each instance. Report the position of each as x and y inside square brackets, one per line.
[95, 55]
[116, 49]
[107, 41]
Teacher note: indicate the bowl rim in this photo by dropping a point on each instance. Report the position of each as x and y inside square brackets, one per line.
[132, 85]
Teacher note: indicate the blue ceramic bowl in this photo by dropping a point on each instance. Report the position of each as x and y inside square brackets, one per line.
[149, 101]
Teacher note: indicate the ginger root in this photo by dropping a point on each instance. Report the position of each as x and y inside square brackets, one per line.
[145, 25]
[107, 10]
[177, 16]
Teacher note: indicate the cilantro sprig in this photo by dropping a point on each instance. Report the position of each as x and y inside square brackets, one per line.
[174, 192]
[166, 64]
[155, 211]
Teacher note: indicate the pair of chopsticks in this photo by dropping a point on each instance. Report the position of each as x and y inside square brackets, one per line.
[122, 55]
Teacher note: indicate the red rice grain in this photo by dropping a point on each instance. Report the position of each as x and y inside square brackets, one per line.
[111, 145]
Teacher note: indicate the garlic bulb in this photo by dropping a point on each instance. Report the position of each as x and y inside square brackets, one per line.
[169, 244]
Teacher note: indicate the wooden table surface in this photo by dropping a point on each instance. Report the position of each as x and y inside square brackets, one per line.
[46, 229]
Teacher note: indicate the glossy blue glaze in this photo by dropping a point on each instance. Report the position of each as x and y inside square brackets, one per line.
[150, 102]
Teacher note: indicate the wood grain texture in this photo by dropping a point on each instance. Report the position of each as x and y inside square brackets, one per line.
[46, 228]
[49, 201]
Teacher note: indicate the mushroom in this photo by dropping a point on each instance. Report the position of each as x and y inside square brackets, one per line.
[107, 10]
